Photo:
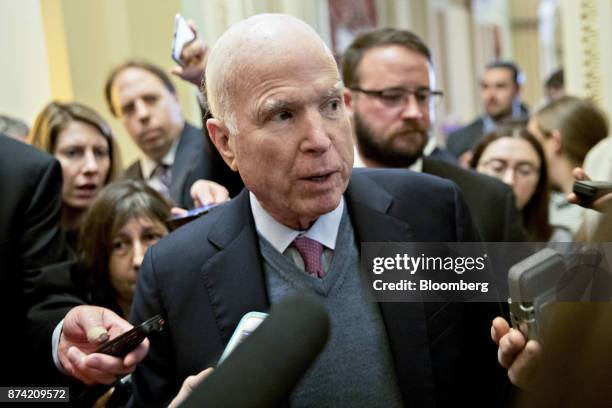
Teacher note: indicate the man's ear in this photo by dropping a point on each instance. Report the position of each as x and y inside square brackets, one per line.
[348, 101]
[557, 142]
[220, 137]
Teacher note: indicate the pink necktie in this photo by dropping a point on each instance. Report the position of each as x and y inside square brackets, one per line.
[311, 252]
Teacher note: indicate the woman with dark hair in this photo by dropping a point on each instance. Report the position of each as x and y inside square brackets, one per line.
[515, 157]
[123, 221]
[82, 142]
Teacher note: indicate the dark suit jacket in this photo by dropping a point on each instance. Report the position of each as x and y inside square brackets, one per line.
[30, 241]
[442, 154]
[490, 201]
[465, 138]
[206, 275]
[196, 158]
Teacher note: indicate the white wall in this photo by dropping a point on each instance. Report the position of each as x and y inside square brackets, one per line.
[24, 72]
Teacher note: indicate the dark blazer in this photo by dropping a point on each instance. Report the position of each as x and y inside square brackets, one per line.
[196, 158]
[30, 242]
[490, 201]
[440, 153]
[465, 138]
[206, 275]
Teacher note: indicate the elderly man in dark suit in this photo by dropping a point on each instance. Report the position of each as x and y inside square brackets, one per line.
[390, 78]
[36, 291]
[280, 121]
[179, 160]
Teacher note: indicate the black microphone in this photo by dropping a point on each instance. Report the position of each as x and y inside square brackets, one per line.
[263, 370]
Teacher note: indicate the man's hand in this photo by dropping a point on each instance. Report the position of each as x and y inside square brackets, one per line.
[189, 385]
[602, 204]
[193, 59]
[513, 354]
[208, 192]
[85, 328]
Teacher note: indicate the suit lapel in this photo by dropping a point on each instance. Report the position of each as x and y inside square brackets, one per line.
[234, 276]
[370, 207]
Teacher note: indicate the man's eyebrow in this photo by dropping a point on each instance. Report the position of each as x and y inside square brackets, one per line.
[336, 89]
[272, 105]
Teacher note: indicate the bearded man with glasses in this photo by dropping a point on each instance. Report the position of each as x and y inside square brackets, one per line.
[391, 94]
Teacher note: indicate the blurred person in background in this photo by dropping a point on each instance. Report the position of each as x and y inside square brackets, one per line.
[179, 160]
[35, 285]
[82, 142]
[123, 221]
[567, 129]
[500, 89]
[597, 225]
[515, 157]
[554, 87]
[14, 128]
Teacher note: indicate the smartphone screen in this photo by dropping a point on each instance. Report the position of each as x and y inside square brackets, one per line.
[182, 36]
[247, 325]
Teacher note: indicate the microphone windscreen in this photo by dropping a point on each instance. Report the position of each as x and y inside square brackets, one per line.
[263, 370]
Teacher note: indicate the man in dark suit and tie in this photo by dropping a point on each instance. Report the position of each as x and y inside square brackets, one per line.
[179, 161]
[280, 121]
[390, 78]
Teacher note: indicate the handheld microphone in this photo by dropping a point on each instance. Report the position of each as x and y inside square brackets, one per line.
[263, 370]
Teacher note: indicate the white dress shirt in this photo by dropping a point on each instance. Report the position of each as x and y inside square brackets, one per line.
[324, 230]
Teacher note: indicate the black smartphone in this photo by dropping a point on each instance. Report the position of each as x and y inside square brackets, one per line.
[176, 221]
[128, 341]
[589, 191]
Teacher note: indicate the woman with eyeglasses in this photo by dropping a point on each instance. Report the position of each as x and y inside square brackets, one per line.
[81, 140]
[515, 157]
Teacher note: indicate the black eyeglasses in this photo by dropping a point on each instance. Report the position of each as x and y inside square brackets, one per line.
[394, 97]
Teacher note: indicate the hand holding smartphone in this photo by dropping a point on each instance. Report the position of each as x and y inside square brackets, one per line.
[183, 35]
[121, 345]
[178, 220]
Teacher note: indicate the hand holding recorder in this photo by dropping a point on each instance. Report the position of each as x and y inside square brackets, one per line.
[591, 194]
[84, 329]
[517, 355]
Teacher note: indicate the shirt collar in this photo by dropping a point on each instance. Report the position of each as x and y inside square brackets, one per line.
[489, 124]
[148, 166]
[324, 230]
